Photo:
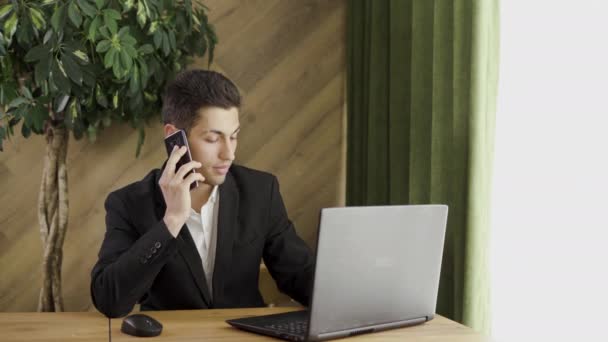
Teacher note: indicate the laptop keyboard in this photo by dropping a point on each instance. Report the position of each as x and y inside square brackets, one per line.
[294, 323]
[299, 327]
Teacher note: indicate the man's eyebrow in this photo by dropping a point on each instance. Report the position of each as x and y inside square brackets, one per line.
[220, 132]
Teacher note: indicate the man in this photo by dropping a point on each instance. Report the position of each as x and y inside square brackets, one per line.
[170, 248]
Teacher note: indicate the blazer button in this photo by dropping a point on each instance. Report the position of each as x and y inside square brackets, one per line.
[153, 250]
[143, 260]
[157, 245]
[148, 256]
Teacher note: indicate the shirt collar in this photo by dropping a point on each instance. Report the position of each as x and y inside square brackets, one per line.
[213, 196]
[212, 199]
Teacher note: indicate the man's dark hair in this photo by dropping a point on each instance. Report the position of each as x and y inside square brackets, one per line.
[192, 90]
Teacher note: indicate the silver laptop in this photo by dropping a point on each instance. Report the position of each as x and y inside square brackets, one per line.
[376, 268]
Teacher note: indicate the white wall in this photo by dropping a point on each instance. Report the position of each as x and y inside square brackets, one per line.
[550, 206]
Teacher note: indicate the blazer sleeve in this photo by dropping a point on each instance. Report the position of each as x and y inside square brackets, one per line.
[287, 257]
[128, 262]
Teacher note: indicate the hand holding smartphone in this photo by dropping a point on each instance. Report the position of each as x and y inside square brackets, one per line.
[179, 139]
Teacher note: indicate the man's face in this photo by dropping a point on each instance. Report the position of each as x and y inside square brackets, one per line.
[213, 141]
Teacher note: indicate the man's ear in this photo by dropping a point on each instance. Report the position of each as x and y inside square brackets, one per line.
[169, 129]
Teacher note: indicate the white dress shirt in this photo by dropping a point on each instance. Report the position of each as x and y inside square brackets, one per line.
[203, 228]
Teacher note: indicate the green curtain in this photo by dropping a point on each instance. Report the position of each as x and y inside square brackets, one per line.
[422, 83]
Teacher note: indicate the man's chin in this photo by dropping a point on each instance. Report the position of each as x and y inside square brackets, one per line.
[215, 180]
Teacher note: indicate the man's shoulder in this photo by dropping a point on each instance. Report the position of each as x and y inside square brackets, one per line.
[247, 173]
[248, 178]
[143, 189]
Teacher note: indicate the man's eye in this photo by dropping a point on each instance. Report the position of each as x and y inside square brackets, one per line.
[212, 141]
[233, 138]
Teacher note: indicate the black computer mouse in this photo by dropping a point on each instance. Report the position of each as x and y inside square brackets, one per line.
[141, 325]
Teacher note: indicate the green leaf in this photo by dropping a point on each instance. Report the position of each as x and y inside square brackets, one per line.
[72, 110]
[8, 92]
[111, 25]
[47, 36]
[82, 56]
[27, 93]
[115, 100]
[150, 97]
[41, 71]
[124, 30]
[37, 18]
[125, 60]
[166, 47]
[17, 102]
[172, 39]
[25, 131]
[127, 5]
[88, 76]
[158, 39]
[113, 14]
[116, 67]
[72, 69]
[59, 77]
[74, 14]
[141, 14]
[100, 3]
[103, 46]
[153, 27]
[128, 39]
[5, 10]
[36, 117]
[105, 32]
[146, 49]
[87, 8]
[108, 60]
[73, 45]
[37, 53]
[58, 18]
[134, 82]
[149, 13]
[61, 102]
[188, 6]
[10, 25]
[100, 97]
[130, 50]
[94, 27]
[143, 73]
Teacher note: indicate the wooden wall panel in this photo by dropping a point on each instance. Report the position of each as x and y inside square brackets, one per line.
[288, 59]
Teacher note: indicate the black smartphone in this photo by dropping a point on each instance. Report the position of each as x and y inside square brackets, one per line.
[178, 139]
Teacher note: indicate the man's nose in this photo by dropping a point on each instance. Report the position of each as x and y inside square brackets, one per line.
[227, 152]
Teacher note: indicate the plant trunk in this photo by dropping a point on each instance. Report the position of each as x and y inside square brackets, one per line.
[53, 217]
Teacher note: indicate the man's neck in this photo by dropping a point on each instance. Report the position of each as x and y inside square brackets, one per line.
[200, 195]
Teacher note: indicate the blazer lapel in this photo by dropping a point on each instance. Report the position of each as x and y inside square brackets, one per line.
[185, 245]
[227, 225]
[188, 250]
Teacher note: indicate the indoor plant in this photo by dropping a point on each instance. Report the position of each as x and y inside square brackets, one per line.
[78, 66]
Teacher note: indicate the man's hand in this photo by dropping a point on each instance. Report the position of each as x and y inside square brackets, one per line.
[176, 190]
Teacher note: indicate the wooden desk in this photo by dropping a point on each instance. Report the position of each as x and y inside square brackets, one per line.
[196, 325]
[210, 325]
[53, 327]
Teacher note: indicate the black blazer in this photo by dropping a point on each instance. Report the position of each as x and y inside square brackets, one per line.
[140, 261]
